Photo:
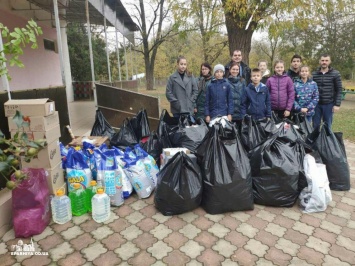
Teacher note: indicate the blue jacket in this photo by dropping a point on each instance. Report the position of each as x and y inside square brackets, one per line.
[219, 98]
[306, 96]
[256, 104]
[238, 85]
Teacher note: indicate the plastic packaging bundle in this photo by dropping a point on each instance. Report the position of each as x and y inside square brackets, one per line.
[78, 171]
[109, 175]
[151, 168]
[126, 185]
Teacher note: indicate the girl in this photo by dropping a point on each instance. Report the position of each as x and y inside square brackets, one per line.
[219, 96]
[282, 92]
[181, 90]
[306, 93]
[238, 84]
[202, 83]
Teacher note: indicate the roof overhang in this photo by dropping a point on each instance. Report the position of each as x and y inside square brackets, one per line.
[74, 11]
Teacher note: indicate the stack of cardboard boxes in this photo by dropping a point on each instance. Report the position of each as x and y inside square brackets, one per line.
[43, 124]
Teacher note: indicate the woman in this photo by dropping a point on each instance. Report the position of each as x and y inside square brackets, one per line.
[181, 90]
[238, 84]
[202, 83]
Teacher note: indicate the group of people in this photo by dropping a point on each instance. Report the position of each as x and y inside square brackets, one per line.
[234, 90]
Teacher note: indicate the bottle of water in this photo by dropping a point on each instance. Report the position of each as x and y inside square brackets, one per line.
[90, 192]
[78, 200]
[61, 208]
[100, 206]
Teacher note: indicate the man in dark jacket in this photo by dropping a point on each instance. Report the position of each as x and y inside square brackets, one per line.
[294, 71]
[244, 69]
[329, 86]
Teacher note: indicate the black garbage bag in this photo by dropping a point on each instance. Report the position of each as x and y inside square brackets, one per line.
[288, 132]
[275, 118]
[300, 119]
[166, 128]
[153, 146]
[252, 133]
[179, 187]
[332, 152]
[125, 137]
[189, 135]
[101, 127]
[140, 124]
[227, 183]
[275, 172]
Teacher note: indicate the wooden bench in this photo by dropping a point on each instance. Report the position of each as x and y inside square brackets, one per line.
[345, 91]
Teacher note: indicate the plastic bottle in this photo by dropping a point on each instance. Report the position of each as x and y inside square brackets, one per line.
[100, 206]
[90, 192]
[78, 198]
[61, 208]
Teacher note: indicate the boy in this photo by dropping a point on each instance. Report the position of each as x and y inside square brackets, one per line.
[255, 98]
[294, 71]
[219, 96]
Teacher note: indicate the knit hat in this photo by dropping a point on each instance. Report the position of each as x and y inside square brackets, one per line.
[218, 67]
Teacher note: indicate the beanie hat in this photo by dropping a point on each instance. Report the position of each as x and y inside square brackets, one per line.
[218, 67]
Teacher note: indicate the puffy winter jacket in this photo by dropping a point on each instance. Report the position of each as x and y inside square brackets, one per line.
[245, 71]
[329, 86]
[256, 104]
[238, 85]
[202, 84]
[282, 92]
[306, 96]
[219, 98]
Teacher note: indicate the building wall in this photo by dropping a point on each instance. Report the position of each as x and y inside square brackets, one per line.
[42, 67]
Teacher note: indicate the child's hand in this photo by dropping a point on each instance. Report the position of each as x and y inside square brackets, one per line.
[208, 119]
[229, 118]
[286, 113]
[304, 110]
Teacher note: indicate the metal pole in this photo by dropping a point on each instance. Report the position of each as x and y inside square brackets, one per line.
[125, 57]
[118, 57]
[107, 51]
[59, 40]
[90, 50]
[5, 81]
[130, 55]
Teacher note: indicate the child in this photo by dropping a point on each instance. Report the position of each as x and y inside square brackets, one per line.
[181, 90]
[265, 73]
[256, 98]
[238, 84]
[219, 96]
[282, 92]
[307, 95]
[202, 83]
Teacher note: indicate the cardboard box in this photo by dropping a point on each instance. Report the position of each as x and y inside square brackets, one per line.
[168, 153]
[31, 107]
[5, 211]
[50, 135]
[49, 157]
[55, 178]
[95, 140]
[37, 123]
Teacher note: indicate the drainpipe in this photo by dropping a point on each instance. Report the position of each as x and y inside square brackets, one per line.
[90, 50]
[59, 40]
[125, 56]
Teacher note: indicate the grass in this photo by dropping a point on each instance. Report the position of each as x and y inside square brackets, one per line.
[344, 119]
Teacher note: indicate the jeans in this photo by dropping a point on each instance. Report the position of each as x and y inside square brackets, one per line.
[323, 112]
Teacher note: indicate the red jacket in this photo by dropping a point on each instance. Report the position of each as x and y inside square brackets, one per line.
[282, 92]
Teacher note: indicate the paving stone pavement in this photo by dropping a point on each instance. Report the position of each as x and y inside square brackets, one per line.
[137, 234]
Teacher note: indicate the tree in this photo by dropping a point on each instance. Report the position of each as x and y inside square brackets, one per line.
[78, 44]
[205, 17]
[150, 17]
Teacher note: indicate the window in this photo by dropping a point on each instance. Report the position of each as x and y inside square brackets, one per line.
[50, 45]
